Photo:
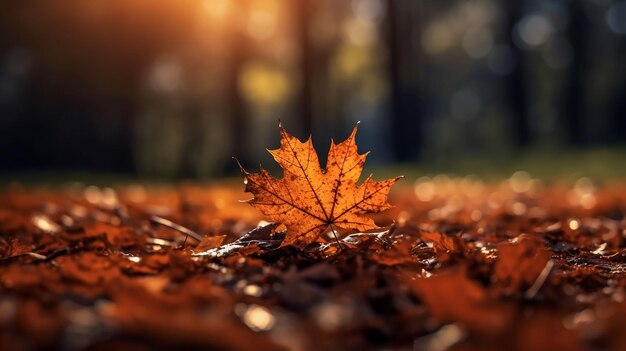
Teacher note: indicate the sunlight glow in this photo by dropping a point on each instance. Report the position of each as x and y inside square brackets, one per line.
[259, 318]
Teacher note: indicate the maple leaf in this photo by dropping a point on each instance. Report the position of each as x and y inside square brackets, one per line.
[308, 199]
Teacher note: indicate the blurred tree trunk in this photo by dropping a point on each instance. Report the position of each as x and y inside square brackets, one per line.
[575, 106]
[405, 57]
[516, 83]
[302, 11]
[235, 104]
[618, 100]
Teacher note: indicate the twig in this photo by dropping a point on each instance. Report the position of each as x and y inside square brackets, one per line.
[37, 256]
[31, 254]
[159, 242]
[541, 279]
[178, 227]
[57, 253]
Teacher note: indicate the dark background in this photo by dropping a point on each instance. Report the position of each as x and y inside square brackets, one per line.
[161, 88]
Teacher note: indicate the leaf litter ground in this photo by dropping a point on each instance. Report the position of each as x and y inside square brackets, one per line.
[458, 265]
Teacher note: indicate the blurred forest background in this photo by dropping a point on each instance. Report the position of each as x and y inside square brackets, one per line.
[163, 88]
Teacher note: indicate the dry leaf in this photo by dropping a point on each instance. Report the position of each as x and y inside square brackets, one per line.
[308, 199]
[445, 246]
[453, 297]
[254, 241]
[210, 242]
[520, 262]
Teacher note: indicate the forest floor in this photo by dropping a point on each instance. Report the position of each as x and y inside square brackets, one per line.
[459, 264]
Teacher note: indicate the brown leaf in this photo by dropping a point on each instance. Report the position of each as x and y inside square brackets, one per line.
[254, 241]
[13, 248]
[308, 199]
[116, 236]
[399, 253]
[445, 246]
[453, 297]
[210, 242]
[520, 262]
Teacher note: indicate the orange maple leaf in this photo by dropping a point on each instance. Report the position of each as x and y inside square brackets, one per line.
[308, 199]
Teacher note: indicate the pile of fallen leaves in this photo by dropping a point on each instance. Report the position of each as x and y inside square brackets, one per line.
[455, 264]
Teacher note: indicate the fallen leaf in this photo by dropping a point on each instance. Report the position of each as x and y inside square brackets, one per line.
[308, 200]
[520, 262]
[210, 242]
[263, 237]
[445, 246]
[453, 297]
